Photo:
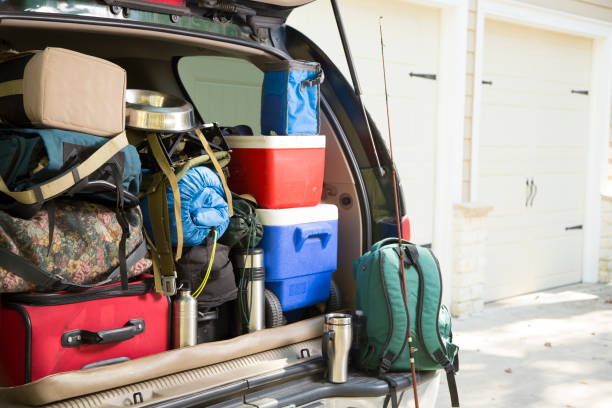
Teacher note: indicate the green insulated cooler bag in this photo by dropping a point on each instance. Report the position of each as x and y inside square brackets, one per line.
[379, 296]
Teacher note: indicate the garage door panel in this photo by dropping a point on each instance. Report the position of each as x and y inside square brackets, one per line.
[504, 229]
[498, 95]
[526, 84]
[411, 134]
[401, 21]
[513, 133]
[549, 161]
[511, 48]
[550, 257]
[523, 93]
[563, 101]
[398, 75]
[533, 127]
[559, 191]
[497, 161]
[556, 136]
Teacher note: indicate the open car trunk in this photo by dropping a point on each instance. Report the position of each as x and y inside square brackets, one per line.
[223, 81]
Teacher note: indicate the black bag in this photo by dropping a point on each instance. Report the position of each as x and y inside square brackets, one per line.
[220, 286]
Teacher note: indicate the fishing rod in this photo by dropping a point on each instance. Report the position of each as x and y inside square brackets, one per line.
[397, 218]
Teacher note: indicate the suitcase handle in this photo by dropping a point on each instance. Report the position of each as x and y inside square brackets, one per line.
[76, 338]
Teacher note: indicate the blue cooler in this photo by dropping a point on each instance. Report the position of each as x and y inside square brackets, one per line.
[290, 98]
[301, 253]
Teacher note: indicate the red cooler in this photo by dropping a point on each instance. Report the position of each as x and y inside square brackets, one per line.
[280, 171]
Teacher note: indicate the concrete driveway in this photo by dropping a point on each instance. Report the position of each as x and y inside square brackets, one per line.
[546, 349]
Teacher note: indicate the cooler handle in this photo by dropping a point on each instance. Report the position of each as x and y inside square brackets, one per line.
[303, 233]
[76, 338]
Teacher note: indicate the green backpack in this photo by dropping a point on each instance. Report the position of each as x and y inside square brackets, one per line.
[379, 296]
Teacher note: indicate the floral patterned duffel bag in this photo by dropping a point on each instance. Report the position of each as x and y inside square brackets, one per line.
[70, 245]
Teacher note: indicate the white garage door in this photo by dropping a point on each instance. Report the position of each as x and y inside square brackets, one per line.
[533, 128]
[411, 46]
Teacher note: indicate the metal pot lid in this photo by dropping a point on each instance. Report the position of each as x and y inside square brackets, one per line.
[157, 112]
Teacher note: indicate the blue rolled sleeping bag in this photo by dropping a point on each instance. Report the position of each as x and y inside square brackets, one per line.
[203, 206]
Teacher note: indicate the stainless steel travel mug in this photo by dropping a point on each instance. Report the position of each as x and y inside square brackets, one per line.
[251, 275]
[185, 311]
[337, 338]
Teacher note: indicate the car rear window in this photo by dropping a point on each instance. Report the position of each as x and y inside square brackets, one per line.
[224, 90]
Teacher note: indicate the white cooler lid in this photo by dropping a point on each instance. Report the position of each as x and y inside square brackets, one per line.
[302, 215]
[276, 142]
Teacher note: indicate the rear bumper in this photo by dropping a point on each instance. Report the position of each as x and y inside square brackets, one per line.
[359, 391]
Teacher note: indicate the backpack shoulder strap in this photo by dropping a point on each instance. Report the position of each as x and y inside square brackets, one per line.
[391, 352]
[427, 288]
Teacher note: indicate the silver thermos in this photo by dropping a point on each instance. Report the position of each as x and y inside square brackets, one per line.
[185, 313]
[337, 338]
[251, 277]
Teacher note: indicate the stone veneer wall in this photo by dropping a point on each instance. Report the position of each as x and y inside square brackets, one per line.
[605, 251]
[470, 235]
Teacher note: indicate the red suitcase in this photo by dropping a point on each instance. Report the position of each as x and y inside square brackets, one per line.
[47, 333]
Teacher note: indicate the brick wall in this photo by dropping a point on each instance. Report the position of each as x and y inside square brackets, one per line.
[605, 252]
[470, 236]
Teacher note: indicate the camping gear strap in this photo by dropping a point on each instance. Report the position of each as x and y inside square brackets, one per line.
[162, 251]
[156, 149]
[218, 169]
[42, 278]
[70, 177]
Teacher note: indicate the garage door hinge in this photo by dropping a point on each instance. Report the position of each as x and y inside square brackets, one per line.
[580, 91]
[426, 76]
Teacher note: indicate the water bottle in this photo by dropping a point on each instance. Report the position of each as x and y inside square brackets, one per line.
[252, 287]
[185, 312]
[337, 339]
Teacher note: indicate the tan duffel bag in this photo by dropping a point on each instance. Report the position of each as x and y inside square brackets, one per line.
[62, 89]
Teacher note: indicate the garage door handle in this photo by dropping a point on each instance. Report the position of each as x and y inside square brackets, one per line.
[575, 227]
[535, 192]
[528, 191]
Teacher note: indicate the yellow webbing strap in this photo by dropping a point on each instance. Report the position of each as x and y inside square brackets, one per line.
[10, 88]
[69, 179]
[156, 149]
[218, 169]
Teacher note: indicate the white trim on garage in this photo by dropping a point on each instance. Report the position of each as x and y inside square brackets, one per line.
[599, 107]
[449, 136]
